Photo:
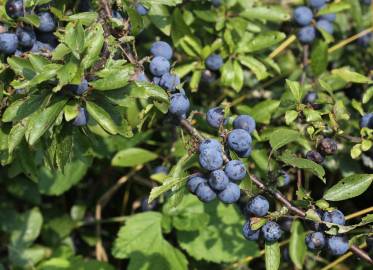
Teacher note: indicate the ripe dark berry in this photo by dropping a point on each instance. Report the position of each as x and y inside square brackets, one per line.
[315, 240]
[14, 8]
[218, 180]
[335, 217]
[159, 66]
[230, 194]
[84, 6]
[310, 97]
[306, 34]
[258, 206]
[325, 25]
[211, 159]
[161, 48]
[315, 156]
[245, 154]
[239, 140]
[316, 3]
[145, 206]
[141, 77]
[329, 17]
[208, 76]
[245, 122]
[81, 88]
[249, 233]
[179, 105]
[47, 22]
[314, 225]
[210, 144]
[215, 117]
[367, 121]
[41, 47]
[8, 43]
[337, 245]
[205, 193]
[194, 181]
[141, 10]
[48, 38]
[169, 81]
[283, 179]
[327, 146]
[235, 170]
[214, 62]
[26, 37]
[216, 3]
[82, 118]
[303, 15]
[271, 231]
[285, 223]
[160, 169]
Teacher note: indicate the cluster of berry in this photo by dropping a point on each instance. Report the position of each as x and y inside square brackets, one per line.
[25, 38]
[304, 15]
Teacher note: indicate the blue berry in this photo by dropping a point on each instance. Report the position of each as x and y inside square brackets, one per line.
[316, 3]
[214, 62]
[249, 233]
[82, 88]
[14, 8]
[216, 3]
[169, 81]
[310, 97]
[315, 240]
[335, 217]
[156, 80]
[329, 17]
[179, 105]
[208, 76]
[210, 144]
[235, 170]
[367, 121]
[283, 179]
[337, 245]
[141, 77]
[145, 206]
[141, 10]
[160, 169]
[258, 206]
[215, 117]
[239, 140]
[303, 15]
[306, 34]
[245, 122]
[218, 180]
[8, 43]
[244, 154]
[205, 193]
[230, 194]
[161, 48]
[41, 47]
[325, 25]
[82, 118]
[328, 146]
[315, 156]
[159, 66]
[367, 2]
[211, 159]
[84, 6]
[194, 181]
[314, 225]
[47, 22]
[117, 14]
[48, 38]
[364, 40]
[26, 37]
[271, 231]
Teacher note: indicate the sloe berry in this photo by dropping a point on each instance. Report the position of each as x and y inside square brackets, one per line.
[179, 105]
[169, 81]
[249, 233]
[218, 180]
[271, 231]
[214, 62]
[159, 66]
[205, 193]
[315, 240]
[337, 244]
[215, 117]
[230, 194]
[303, 15]
[315, 156]
[239, 140]
[328, 146]
[161, 48]
[235, 170]
[82, 118]
[258, 206]
[194, 181]
[306, 34]
[245, 122]
[335, 217]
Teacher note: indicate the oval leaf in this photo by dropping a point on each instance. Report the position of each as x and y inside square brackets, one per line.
[272, 255]
[132, 157]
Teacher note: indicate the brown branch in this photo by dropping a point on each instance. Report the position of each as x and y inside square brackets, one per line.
[191, 130]
[361, 253]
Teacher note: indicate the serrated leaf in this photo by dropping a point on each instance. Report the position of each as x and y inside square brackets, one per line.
[297, 246]
[349, 187]
[272, 255]
[302, 163]
[102, 117]
[282, 137]
[132, 157]
[115, 79]
[142, 233]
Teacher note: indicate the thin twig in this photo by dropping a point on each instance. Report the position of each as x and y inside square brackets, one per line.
[360, 213]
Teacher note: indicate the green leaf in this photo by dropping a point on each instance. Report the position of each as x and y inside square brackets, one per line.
[75, 38]
[302, 163]
[142, 234]
[44, 119]
[349, 187]
[27, 228]
[334, 8]
[296, 89]
[350, 76]
[255, 66]
[160, 17]
[268, 13]
[102, 117]
[232, 75]
[272, 255]
[16, 135]
[264, 41]
[297, 245]
[136, 21]
[319, 57]
[282, 137]
[290, 116]
[31, 19]
[262, 111]
[132, 157]
[70, 263]
[115, 79]
[223, 230]
[95, 42]
[368, 94]
[85, 18]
